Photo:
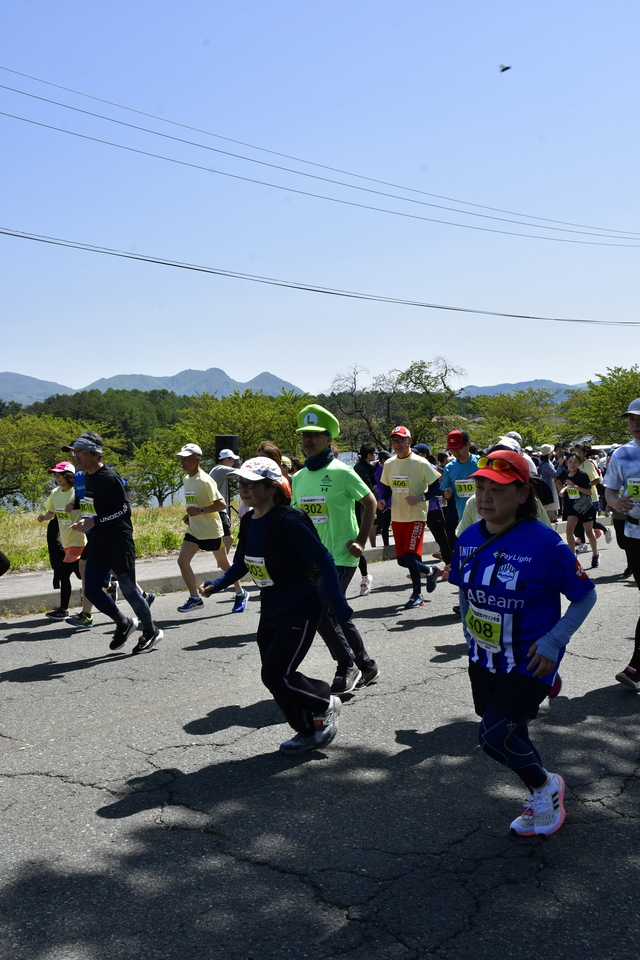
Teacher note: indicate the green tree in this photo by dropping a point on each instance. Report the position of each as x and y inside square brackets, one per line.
[533, 413]
[597, 411]
[155, 470]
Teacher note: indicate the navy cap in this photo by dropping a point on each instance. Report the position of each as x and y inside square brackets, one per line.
[634, 407]
[421, 448]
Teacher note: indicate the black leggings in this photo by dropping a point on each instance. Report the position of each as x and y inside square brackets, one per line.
[94, 578]
[64, 572]
[283, 647]
[437, 526]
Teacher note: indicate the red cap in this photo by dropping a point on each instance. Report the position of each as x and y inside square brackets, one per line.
[455, 440]
[400, 432]
[519, 469]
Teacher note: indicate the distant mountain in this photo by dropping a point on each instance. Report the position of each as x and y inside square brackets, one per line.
[561, 388]
[15, 386]
[189, 382]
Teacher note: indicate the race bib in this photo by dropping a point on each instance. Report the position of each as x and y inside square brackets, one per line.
[257, 569]
[633, 488]
[190, 499]
[572, 493]
[465, 488]
[400, 485]
[87, 507]
[485, 626]
[315, 508]
[63, 517]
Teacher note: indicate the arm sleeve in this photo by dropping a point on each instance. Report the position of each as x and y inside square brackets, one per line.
[313, 551]
[551, 643]
[236, 571]
[341, 608]
[386, 492]
[433, 490]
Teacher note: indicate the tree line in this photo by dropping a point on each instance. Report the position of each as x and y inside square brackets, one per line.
[143, 430]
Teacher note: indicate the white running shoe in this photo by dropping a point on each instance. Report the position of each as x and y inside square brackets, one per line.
[326, 725]
[607, 535]
[583, 548]
[365, 586]
[544, 810]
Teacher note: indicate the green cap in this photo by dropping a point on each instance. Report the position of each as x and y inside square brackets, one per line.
[315, 419]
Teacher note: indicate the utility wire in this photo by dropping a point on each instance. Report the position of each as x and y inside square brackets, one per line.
[322, 166]
[317, 196]
[294, 285]
[301, 173]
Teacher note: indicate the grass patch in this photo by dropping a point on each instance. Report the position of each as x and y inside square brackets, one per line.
[157, 531]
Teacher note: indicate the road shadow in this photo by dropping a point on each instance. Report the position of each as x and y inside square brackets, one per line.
[256, 715]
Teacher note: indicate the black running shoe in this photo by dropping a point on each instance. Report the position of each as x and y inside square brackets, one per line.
[346, 678]
[370, 673]
[58, 614]
[123, 631]
[148, 640]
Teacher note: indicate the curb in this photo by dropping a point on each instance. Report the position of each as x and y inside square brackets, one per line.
[39, 601]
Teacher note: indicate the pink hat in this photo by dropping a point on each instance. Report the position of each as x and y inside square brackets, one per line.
[64, 467]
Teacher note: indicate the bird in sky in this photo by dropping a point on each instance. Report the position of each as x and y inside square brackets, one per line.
[503, 68]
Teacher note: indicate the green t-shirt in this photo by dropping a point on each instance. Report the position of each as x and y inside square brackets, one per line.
[327, 495]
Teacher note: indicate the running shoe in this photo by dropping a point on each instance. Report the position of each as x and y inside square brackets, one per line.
[193, 603]
[301, 743]
[595, 561]
[432, 579]
[365, 585]
[58, 614]
[555, 687]
[437, 556]
[148, 640]
[370, 673]
[415, 600]
[544, 811]
[607, 535]
[81, 620]
[346, 678]
[149, 597]
[583, 548]
[630, 678]
[326, 725]
[122, 633]
[240, 602]
[456, 609]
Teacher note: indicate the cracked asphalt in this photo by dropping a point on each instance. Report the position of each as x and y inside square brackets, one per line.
[146, 811]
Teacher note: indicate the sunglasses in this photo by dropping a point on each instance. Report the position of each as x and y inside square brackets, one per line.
[500, 466]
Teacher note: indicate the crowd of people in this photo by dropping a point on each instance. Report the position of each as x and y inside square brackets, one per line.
[303, 532]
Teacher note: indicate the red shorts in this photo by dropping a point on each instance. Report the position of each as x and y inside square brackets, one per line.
[408, 537]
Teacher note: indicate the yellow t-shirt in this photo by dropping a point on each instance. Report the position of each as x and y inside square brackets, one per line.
[592, 473]
[56, 502]
[408, 477]
[471, 515]
[200, 491]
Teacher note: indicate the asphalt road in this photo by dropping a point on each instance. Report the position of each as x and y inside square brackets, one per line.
[146, 811]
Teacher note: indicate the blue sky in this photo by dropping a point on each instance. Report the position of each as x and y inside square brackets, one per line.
[409, 93]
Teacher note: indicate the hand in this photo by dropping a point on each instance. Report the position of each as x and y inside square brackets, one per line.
[69, 506]
[185, 519]
[87, 523]
[413, 501]
[342, 611]
[447, 493]
[543, 666]
[354, 548]
[205, 589]
[41, 518]
[625, 504]
[382, 505]
[193, 512]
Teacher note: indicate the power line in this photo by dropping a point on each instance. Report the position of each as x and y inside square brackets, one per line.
[308, 193]
[322, 166]
[295, 285]
[300, 173]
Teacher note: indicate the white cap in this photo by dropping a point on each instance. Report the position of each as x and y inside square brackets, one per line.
[226, 453]
[259, 468]
[189, 449]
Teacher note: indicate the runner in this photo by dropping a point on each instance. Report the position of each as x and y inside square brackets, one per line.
[327, 489]
[72, 541]
[203, 506]
[366, 471]
[227, 461]
[510, 603]
[455, 483]
[578, 505]
[622, 490]
[383, 517]
[285, 557]
[407, 478]
[107, 514]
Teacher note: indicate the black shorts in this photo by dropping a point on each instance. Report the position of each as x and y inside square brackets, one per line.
[111, 553]
[226, 524]
[511, 695]
[210, 545]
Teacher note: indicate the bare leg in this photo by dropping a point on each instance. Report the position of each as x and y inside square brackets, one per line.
[591, 537]
[188, 551]
[571, 526]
